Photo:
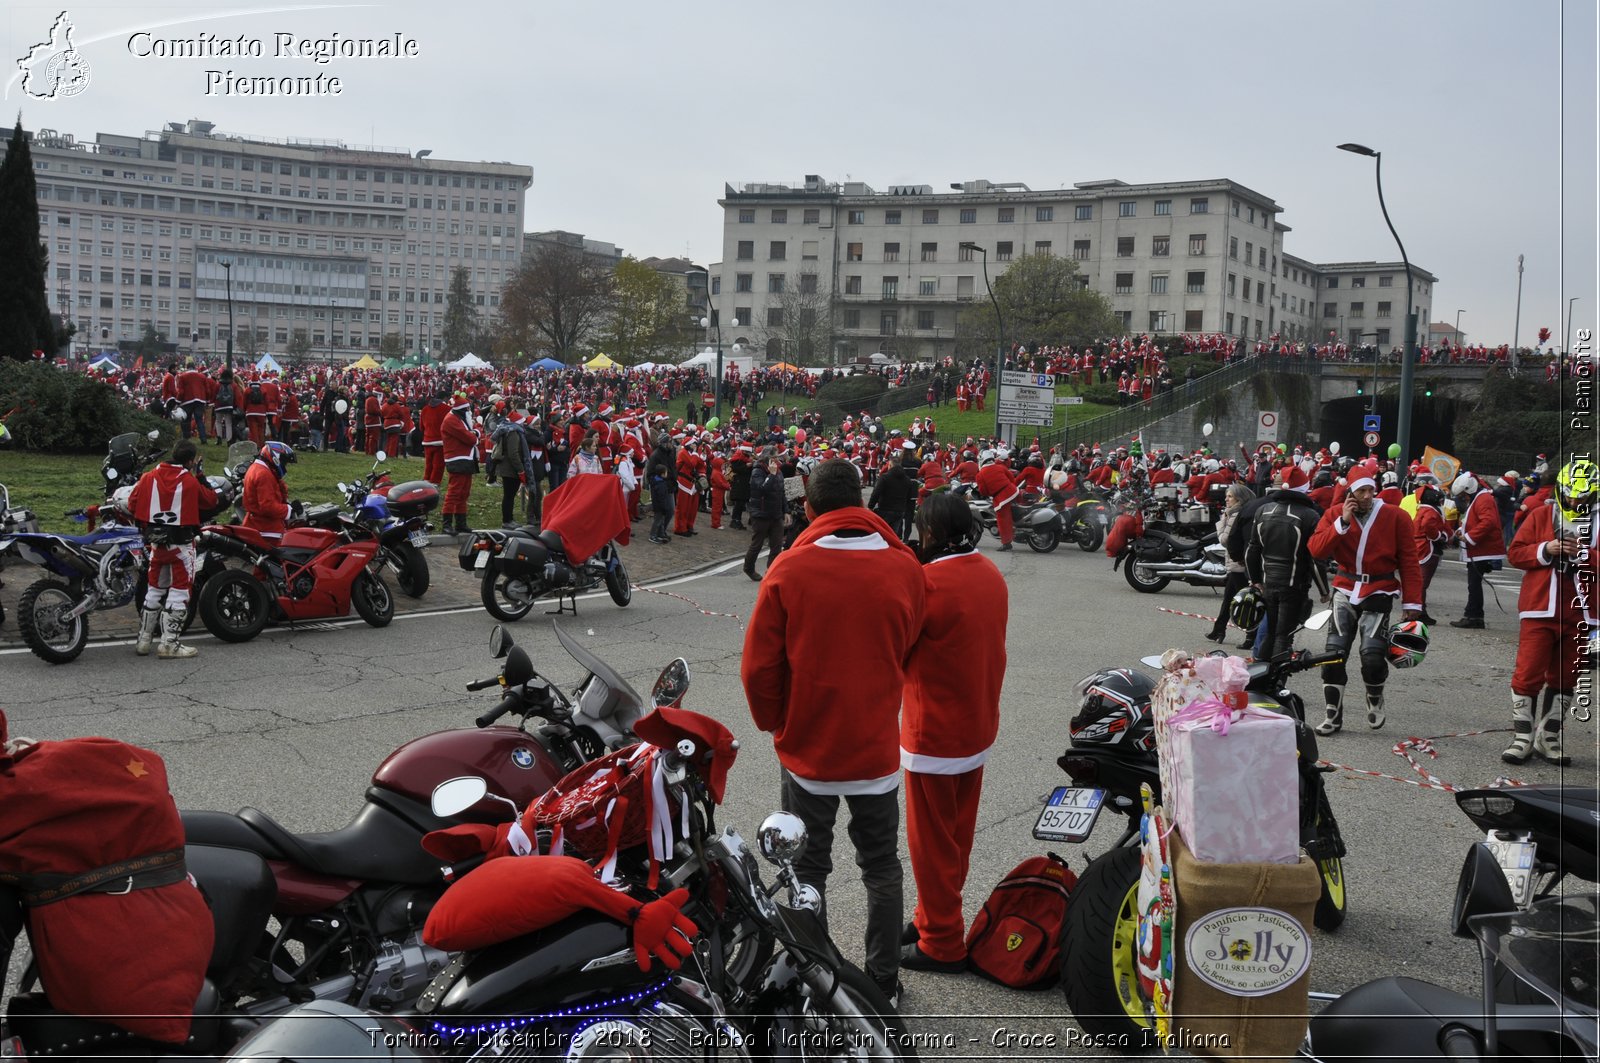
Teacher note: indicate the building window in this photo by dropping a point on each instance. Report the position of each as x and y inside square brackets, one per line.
[1158, 321]
[812, 216]
[808, 250]
[1384, 309]
[1002, 251]
[747, 215]
[930, 217]
[1333, 282]
[928, 286]
[1041, 247]
[1044, 214]
[1080, 250]
[1236, 209]
[780, 217]
[964, 253]
[1083, 212]
[778, 251]
[775, 283]
[774, 316]
[1261, 293]
[1229, 328]
[1247, 289]
[1358, 309]
[1127, 209]
[1007, 214]
[852, 318]
[1233, 281]
[808, 283]
[1261, 261]
[930, 252]
[891, 252]
[1386, 281]
[747, 250]
[1124, 284]
[1383, 337]
[1330, 309]
[852, 252]
[1197, 282]
[1193, 320]
[1197, 244]
[856, 217]
[1124, 247]
[924, 320]
[1163, 207]
[852, 286]
[891, 288]
[887, 322]
[1233, 247]
[1160, 246]
[1158, 284]
[741, 315]
[969, 215]
[891, 217]
[1200, 205]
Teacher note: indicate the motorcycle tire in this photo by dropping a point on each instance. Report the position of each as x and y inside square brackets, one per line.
[189, 610]
[45, 635]
[498, 605]
[857, 1019]
[234, 605]
[1099, 950]
[617, 581]
[1044, 542]
[1335, 891]
[1091, 537]
[372, 599]
[410, 566]
[1143, 584]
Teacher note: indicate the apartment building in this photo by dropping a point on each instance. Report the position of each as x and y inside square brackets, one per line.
[344, 243]
[1365, 302]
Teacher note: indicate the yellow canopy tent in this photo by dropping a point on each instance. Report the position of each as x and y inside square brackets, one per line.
[600, 361]
[366, 362]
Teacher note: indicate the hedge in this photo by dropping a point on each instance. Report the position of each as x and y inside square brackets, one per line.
[63, 412]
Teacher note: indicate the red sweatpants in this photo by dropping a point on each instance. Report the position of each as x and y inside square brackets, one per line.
[257, 424]
[456, 495]
[719, 495]
[372, 439]
[433, 463]
[633, 503]
[1002, 520]
[941, 818]
[1547, 656]
[688, 510]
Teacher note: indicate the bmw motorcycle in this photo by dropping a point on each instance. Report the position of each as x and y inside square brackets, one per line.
[1113, 753]
[337, 917]
[1038, 524]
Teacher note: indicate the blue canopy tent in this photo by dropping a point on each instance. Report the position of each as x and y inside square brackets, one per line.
[547, 363]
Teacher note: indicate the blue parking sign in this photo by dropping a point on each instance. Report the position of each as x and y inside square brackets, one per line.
[1371, 422]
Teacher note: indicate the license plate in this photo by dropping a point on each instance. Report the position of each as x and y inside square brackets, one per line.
[483, 560]
[1069, 814]
[1515, 856]
[419, 539]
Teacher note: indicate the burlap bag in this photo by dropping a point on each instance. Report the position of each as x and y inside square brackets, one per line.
[1208, 1020]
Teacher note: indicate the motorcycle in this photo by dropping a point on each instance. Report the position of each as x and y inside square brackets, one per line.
[348, 905]
[575, 552]
[12, 522]
[1540, 996]
[1087, 517]
[394, 514]
[1110, 758]
[1154, 552]
[1038, 524]
[127, 459]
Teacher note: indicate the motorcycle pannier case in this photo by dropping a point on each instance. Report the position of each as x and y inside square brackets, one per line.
[1194, 515]
[1152, 549]
[523, 557]
[412, 499]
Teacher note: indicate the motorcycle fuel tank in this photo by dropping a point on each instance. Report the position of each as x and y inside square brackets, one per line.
[544, 972]
[511, 761]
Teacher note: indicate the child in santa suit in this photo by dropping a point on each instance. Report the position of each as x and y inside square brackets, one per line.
[719, 489]
[948, 721]
[1558, 546]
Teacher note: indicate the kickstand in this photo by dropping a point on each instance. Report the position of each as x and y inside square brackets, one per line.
[567, 602]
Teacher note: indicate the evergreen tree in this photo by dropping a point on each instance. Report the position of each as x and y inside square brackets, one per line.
[25, 320]
[460, 316]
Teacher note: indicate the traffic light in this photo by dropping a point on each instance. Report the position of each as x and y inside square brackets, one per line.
[1427, 391]
[1361, 389]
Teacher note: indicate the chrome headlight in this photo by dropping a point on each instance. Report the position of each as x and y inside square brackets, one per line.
[782, 838]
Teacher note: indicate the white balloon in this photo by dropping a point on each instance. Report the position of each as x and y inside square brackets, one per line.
[1207, 429]
[1333, 448]
[178, 413]
[341, 407]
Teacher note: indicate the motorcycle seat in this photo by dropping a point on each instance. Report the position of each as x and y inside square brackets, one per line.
[552, 540]
[376, 845]
[48, 1032]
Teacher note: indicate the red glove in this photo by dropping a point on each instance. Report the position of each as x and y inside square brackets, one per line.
[523, 477]
[662, 930]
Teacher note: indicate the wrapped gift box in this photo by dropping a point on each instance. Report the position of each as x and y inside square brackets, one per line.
[1228, 780]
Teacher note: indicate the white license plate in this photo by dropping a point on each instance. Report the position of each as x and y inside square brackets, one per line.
[1069, 814]
[419, 539]
[1515, 856]
[483, 560]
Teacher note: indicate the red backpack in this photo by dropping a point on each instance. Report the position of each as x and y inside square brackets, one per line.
[1016, 938]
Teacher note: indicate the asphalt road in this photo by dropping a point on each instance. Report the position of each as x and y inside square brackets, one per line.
[295, 722]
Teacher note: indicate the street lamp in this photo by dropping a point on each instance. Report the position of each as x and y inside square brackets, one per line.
[1516, 322]
[227, 279]
[1000, 329]
[1566, 344]
[706, 323]
[1407, 368]
[1458, 326]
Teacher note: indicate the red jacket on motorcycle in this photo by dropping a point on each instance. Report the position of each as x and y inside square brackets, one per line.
[266, 501]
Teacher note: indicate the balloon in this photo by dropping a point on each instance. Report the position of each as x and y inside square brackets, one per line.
[1394, 450]
[714, 423]
[792, 431]
[1283, 448]
[799, 435]
[341, 407]
[1207, 428]
[178, 413]
[1333, 448]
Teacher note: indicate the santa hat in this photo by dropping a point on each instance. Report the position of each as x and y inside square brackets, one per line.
[1296, 479]
[606, 410]
[1364, 475]
[459, 401]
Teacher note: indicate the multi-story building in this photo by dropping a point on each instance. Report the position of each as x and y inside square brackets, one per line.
[1365, 302]
[343, 244]
[892, 271]
[607, 254]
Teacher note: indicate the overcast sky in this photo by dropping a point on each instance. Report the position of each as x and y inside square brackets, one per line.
[633, 115]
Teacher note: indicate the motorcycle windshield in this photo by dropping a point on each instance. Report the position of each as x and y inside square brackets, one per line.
[126, 443]
[628, 702]
[1554, 947]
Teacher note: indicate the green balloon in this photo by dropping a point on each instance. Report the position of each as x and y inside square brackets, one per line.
[792, 430]
[1394, 450]
[1283, 448]
[714, 423]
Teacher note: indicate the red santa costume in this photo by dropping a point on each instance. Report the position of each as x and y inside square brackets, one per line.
[372, 412]
[433, 415]
[460, 462]
[996, 483]
[691, 467]
[252, 397]
[166, 502]
[948, 722]
[719, 489]
[266, 500]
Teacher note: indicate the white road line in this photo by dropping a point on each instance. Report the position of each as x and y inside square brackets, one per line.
[454, 611]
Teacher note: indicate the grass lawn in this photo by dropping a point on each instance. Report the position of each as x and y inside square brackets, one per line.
[958, 426]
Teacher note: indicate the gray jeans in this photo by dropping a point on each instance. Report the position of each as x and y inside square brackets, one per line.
[875, 833]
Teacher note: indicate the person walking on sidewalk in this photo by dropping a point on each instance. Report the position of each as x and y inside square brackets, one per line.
[767, 503]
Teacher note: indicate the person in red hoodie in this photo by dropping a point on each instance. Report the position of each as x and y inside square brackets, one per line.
[996, 483]
[192, 392]
[824, 670]
[719, 488]
[460, 462]
[372, 416]
[266, 500]
[433, 415]
[166, 503]
[1376, 549]
[1483, 544]
[395, 416]
[1432, 534]
[289, 418]
[948, 723]
[253, 397]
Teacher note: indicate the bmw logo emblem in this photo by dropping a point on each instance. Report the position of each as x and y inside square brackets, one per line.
[522, 757]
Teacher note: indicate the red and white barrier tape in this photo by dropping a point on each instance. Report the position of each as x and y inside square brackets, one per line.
[1180, 612]
[702, 610]
[1404, 749]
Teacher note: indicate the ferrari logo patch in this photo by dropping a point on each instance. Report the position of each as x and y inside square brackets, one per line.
[1013, 942]
[137, 769]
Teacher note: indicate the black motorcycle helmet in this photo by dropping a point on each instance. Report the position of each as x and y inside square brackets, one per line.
[1115, 711]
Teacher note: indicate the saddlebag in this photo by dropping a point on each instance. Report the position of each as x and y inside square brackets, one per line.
[523, 558]
[1152, 549]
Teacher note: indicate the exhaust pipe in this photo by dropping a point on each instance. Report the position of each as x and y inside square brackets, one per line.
[1168, 569]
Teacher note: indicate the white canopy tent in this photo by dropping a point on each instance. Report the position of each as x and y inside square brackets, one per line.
[468, 361]
[707, 357]
[105, 363]
[269, 363]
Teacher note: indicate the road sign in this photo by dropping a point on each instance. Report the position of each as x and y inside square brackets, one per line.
[1370, 439]
[1371, 422]
[1027, 405]
[1069, 400]
[1266, 426]
[1026, 380]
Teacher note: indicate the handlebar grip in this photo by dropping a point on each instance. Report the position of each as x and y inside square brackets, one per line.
[507, 704]
[1458, 1042]
[484, 684]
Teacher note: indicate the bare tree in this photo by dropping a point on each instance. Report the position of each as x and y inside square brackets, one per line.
[803, 324]
[555, 300]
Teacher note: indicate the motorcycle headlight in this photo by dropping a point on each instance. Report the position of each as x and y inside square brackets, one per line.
[782, 837]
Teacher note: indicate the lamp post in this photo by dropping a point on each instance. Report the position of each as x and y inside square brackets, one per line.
[715, 319]
[1458, 326]
[1000, 329]
[227, 280]
[1566, 344]
[1408, 357]
[1516, 322]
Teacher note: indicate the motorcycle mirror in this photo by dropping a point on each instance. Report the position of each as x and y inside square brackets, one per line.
[782, 837]
[153, 435]
[1481, 890]
[500, 642]
[1333, 448]
[672, 684]
[454, 796]
[519, 667]
[382, 457]
[1318, 620]
[1152, 661]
